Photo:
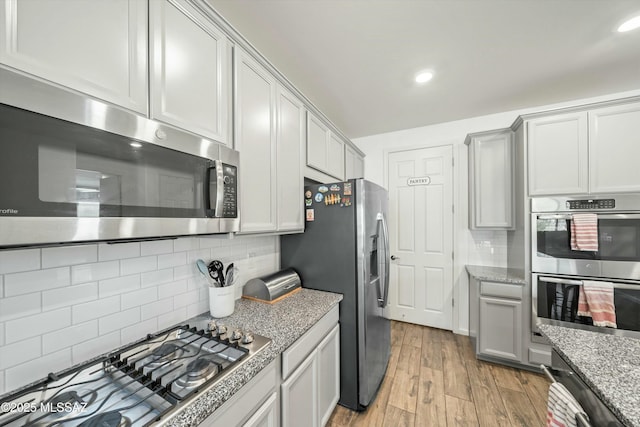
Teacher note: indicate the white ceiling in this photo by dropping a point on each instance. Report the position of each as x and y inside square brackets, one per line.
[356, 59]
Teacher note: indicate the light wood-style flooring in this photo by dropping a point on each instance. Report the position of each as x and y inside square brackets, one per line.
[434, 379]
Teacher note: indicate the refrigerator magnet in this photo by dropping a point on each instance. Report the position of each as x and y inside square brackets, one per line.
[347, 189]
[334, 187]
[323, 189]
[308, 194]
[308, 202]
[319, 197]
[310, 215]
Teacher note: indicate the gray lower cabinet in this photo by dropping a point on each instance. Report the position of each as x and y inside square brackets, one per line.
[267, 415]
[300, 395]
[500, 328]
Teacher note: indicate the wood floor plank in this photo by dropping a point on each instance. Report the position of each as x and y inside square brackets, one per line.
[506, 377]
[456, 380]
[431, 406]
[519, 408]
[393, 359]
[341, 417]
[398, 418]
[486, 396]
[537, 389]
[409, 360]
[375, 413]
[397, 333]
[431, 355]
[466, 349]
[413, 335]
[404, 390]
[460, 412]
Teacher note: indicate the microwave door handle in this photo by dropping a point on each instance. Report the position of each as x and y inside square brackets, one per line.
[216, 197]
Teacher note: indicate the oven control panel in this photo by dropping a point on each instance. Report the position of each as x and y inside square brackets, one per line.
[591, 204]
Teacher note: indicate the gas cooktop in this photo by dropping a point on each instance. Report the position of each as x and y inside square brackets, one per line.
[135, 386]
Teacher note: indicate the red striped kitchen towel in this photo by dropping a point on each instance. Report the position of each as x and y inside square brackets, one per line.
[562, 407]
[595, 300]
[584, 232]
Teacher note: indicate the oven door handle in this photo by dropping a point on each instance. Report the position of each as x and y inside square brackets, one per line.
[600, 216]
[580, 417]
[616, 285]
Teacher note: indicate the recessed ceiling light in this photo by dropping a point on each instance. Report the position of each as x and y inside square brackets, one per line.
[424, 76]
[135, 144]
[630, 24]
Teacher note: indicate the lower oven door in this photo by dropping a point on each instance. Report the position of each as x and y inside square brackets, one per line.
[599, 414]
[555, 301]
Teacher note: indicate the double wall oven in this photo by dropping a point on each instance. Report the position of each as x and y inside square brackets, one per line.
[559, 271]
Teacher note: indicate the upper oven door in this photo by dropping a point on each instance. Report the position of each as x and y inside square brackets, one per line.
[618, 246]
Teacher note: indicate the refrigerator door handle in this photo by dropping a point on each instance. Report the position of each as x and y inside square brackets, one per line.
[382, 302]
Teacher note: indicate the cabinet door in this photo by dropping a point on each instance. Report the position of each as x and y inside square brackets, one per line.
[256, 142]
[557, 154]
[266, 415]
[335, 157]
[614, 149]
[353, 164]
[189, 70]
[300, 395]
[328, 374]
[500, 329]
[290, 181]
[317, 143]
[97, 47]
[491, 174]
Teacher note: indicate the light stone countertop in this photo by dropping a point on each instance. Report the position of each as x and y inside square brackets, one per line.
[284, 322]
[497, 274]
[609, 364]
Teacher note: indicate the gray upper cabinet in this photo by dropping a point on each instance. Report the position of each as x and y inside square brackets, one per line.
[325, 149]
[190, 70]
[353, 163]
[491, 204]
[558, 154]
[97, 47]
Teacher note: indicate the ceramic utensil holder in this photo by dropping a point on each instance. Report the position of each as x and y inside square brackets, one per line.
[222, 301]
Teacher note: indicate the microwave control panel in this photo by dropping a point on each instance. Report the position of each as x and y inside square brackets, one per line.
[591, 204]
[230, 199]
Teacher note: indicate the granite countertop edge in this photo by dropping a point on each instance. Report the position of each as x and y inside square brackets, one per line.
[284, 322]
[497, 274]
[593, 346]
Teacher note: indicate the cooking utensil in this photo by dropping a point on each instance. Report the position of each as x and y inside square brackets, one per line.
[202, 267]
[231, 278]
[216, 270]
[229, 275]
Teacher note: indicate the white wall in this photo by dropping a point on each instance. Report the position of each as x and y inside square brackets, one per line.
[485, 247]
[61, 306]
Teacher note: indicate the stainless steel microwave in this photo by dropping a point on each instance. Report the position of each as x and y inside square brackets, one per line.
[75, 170]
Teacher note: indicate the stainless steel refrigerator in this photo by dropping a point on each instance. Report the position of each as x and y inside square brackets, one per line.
[345, 249]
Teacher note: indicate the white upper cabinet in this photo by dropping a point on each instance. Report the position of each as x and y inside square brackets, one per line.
[335, 157]
[558, 154]
[353, 164]
[255, 130]
[190, 70]
[97, 47]
[491, 180]
[325, 150]
[614, 149]
[289, 141]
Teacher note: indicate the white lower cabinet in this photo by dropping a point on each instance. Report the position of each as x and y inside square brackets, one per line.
[311, 375]
[267, 415]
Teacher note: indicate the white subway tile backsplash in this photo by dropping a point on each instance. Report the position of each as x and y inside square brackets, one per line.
[95, 271]
[19, 260]
[14, 354]
[185, 244]
[118, 285]
[138, 298]
[169, 319]
[156, 308]
[138, 331]
[95, 347]
[34, 281]
[20, 306]
[69, 255]
[68, 337]
[172, 260]
[156, 247]
[118, 321]
[38, 324]
[95, 309]
[26, 373]
[172, 288]
[138, 265]
[69, 295]
[108, 252]
[61, 306]
[154, 278]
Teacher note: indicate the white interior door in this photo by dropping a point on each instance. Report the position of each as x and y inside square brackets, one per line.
[421, 236]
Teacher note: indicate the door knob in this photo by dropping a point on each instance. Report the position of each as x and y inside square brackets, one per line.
[393, 258]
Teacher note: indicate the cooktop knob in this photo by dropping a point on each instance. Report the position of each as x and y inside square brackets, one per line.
[247, 338]
[236, 335]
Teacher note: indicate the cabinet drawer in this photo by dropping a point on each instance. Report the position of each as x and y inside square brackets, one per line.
[502, 290]
[294, 355]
